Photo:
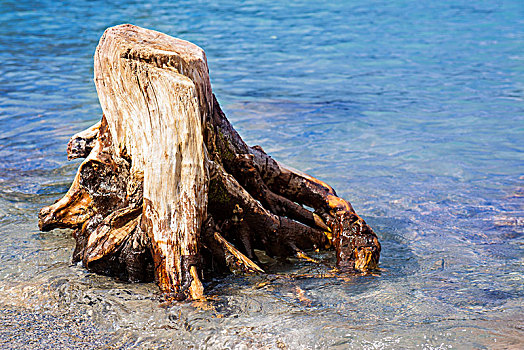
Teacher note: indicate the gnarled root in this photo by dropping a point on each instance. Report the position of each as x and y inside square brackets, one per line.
[281, 189]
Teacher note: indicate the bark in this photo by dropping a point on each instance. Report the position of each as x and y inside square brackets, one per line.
[169, 190]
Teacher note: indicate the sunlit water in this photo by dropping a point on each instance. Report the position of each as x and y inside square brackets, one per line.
[412, 110]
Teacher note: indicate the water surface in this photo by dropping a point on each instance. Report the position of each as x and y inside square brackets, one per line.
[413, 111]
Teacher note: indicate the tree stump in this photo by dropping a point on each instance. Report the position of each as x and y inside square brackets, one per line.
[168, 189]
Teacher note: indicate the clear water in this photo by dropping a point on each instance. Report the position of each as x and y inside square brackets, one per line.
[412, 110]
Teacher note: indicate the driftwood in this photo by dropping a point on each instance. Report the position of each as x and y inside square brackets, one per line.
[169, 191]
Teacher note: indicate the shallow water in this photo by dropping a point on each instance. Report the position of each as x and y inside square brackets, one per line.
[414, 112]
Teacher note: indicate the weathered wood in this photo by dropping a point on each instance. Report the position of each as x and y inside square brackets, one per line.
[356, 244]
[83, 142]
[153, 90]
[169, 187]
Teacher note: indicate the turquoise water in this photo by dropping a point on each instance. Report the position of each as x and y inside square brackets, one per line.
[414, 111]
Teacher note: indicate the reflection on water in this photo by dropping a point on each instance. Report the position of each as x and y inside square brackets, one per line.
[413, 112]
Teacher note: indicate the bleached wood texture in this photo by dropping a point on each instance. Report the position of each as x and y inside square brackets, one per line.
[154, 91]
[169, 189]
